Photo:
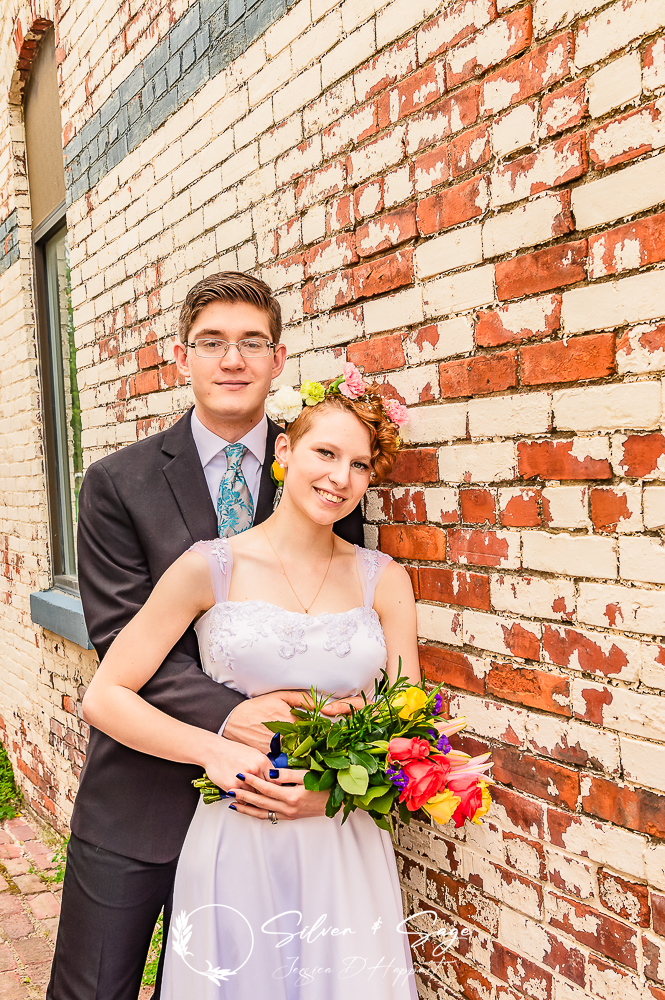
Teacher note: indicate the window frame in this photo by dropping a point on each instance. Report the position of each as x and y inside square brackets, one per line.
[50, 369]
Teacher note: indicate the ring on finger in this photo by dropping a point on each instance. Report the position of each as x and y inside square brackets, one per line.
[272, 817]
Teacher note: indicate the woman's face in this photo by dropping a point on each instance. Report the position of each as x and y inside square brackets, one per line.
[329, 468]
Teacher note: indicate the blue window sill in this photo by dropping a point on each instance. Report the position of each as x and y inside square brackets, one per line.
[60, 613]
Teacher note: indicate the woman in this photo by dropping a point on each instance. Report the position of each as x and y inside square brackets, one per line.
[280, 908]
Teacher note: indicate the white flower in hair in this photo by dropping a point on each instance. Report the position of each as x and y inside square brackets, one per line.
[285, 404]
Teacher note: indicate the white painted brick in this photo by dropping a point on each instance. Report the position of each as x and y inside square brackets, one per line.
[298, 338]
[397, 186]
[605, 844]
[441, 504]
[653, 76]
[551, 14]
[393, 63]
[643, 762]
[274, 75]
[340, 328]
[449, 252]
[439, 624]
[551, 736]
[515, 130]
[631, 405]
[510, 416]
[618, 657]
[477, 463]
[524, 226]
[330, 106]
[627, 711]
[610, 304]
[371, 536]
[393, 311]
[550, 163]
[396, 19]
[430, 424]
[414, 385]
[490, 719]
[653, 665]
[642, 559]
[622, 193]
[348, 54]
[619, 136]
[453, 21]
[355, 12]
[615, 84]
[492, 631]
[314, 224]
[459, 292]
[654, 507]
[441, 340]
[611, 30]
[374, 157]
[570, 555]
[280, 139]
[639, 351]
[296, 94]
[533, 596]
[319, 365]
[287, 28]
[630, 609]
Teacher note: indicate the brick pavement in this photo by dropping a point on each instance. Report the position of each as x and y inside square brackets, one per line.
[29, 910]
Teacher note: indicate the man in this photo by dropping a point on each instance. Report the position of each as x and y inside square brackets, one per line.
[139, 510]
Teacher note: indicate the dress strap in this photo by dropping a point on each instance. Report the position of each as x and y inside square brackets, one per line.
[219, 557]
[371, 564]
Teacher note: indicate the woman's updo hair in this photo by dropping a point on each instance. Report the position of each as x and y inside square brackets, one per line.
[383, 433]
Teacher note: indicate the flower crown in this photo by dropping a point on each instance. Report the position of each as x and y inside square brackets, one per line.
[287, 403]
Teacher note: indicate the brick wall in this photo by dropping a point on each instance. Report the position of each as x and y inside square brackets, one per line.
[465, 200]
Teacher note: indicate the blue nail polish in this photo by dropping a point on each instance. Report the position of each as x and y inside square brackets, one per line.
[273, 773]
[232, 806]
[241, 776]
[231, 793]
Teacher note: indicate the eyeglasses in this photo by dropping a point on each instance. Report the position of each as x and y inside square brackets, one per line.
[251, 347]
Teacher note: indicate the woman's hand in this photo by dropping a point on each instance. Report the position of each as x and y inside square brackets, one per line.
[226, 759]
[257, 797]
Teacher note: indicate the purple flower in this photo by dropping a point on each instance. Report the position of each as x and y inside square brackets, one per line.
[443, 744]
[438, 703]
[397, 776]
[433, 732]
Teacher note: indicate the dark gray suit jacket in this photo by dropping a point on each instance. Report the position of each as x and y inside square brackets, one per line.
[139, 510]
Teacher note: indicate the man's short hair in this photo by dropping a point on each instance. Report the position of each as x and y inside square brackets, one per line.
[230, 286]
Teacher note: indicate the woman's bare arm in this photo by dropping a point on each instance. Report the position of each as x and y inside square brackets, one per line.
[396, 607]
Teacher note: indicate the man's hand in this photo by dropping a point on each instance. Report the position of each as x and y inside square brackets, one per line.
[245, 723]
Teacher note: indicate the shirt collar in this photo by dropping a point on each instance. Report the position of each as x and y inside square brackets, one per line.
[208, 444]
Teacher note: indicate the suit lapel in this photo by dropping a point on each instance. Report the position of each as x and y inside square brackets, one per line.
[184, 474]
[267, 487]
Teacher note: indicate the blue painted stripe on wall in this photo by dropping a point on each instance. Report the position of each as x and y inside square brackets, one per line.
[9, 252]
[197, 47]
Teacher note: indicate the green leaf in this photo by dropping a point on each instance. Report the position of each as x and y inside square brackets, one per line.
[304, 747]
[315, 766]
[383, 822]
[335, 760]
[354, 779]
[282, 727]
[384, 803]
[404, 813]
[373, 792]
[337, 794]
[311, 782]
[327, 780]
[334, 736]
[364, 759]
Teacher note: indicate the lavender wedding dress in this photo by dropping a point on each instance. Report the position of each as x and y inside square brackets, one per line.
[304, 908]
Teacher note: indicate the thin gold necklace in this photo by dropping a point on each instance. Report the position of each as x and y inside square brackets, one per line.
[311, 603]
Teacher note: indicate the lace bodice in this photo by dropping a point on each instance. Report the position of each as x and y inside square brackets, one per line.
[256, 647]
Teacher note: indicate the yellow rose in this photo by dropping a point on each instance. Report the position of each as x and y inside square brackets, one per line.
[277, 472]
[442, 806]
[409, 702]
[487, 802]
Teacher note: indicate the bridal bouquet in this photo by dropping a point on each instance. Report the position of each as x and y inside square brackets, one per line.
[395, 747]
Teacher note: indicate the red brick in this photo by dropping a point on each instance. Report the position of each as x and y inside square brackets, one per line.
[565, 107]
[149, 357]
[410, 507]
[564, 264]
[386, 62]
[554, 460]
[521, 510]
[497, 326]
[416, 465]
[453, 206]
[144, 383]
[611, 888]
[450, 667]
[594, 700]
[640, 454]
[526, 171]
[69, 704]
[330, 255]
[477, 506]
[563, 646]
[476, 547]
[633, 808]
[442, 119]
[574, 360]
[478, 376]
[328, 292]
[647, 237]
[470, 150]
[542, 778]
[422, 542]
[608, 508]
[638, 126]
[371, 195]
[516, 31]
[431, 168]
[450, 586]
[383, 275]
[528, 75]
[514, 847]
[417, 91]
[595, 930]
[531, 687]
[388, 231]
[462, 899]
[523, 813]
[658, 911]
[413, 576]
[513, 968]
[464, 19]
[377, 354]
[339, 214]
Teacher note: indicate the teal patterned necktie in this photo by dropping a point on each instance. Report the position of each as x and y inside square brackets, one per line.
[235, 507]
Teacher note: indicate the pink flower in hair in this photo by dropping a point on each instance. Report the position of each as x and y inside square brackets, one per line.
[396, 412]
[353, 386]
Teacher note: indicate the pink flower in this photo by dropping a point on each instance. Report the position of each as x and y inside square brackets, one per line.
[403, 750]
[426, 778]
[353, 385]
[396, 412]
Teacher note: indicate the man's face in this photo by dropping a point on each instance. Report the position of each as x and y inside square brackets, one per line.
[231, 388]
